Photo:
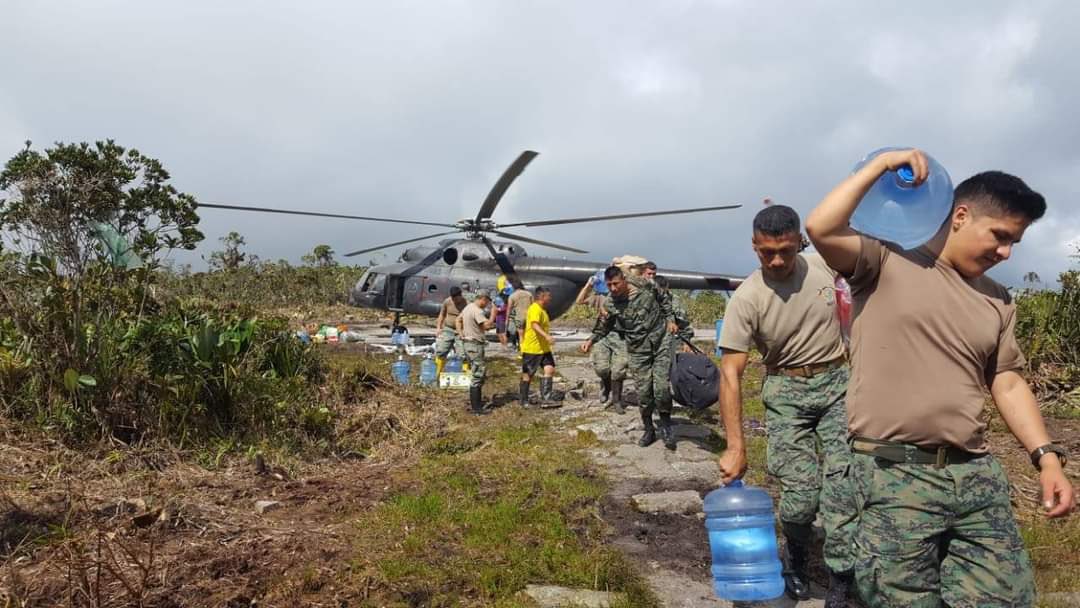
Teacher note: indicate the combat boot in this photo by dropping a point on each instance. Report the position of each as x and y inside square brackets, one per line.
[476, 401]
[796, 570]
[667, 434]
[649, 437]
[545, 391]
[523, 394]
[840, 584]
[605, 390]
[616, 396]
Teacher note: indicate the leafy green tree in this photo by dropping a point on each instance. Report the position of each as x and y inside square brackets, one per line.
[230, 257]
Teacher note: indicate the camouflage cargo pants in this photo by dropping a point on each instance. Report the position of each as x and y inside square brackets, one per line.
[800, 414]
[448, 339]
[652, 378]
[927, 535]
[474, 354]
[609, 358]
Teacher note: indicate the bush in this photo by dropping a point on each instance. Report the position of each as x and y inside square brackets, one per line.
[1048, 330]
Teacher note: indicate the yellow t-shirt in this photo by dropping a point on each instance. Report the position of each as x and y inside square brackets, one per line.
[533, 343]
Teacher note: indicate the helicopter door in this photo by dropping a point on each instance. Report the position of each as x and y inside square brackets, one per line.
[395, 292]
[414, 293]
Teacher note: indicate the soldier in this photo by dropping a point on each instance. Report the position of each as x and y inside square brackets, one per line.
[536, 349]
[931, 335]
[682, 320]
[609, 357]
[645, 318]
[445, 328]
[787, 309]
[472, 324]
[519, 304]
[648, 270]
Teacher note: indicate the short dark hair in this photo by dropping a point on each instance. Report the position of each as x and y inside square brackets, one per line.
[661, 281]
[612, 272]
[776, 220]
[541, 290]
[1001, 193]
[651, 265]
[516, 283]
[455, 291]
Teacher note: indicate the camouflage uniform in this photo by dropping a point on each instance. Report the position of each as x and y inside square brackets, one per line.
[903, 508]
[474, 354]
[448, 339]
[609, 357]
[800, 413]
[642, 320]
[682, 320]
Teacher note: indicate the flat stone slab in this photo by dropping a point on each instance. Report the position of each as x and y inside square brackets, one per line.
[675, 503]
[706, 472]
[679, 591]
[691, 431]
[550, 596]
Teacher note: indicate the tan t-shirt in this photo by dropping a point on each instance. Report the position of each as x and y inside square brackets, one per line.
[472, 323]
[791, 322]
[452, 311]
[519, 303]
[925, 343]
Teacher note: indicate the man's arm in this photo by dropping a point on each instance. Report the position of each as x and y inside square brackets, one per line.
[1020, 411]
[459, 324]
[733, 460]
[490, 322]
[827, 225]
[601, 328]
[583, 295]
[441, 319]
[539, 329]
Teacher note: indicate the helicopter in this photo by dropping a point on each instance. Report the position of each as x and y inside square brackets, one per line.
[420, 280]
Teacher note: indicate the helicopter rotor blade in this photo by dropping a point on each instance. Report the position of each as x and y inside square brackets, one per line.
[537, 241]
[500, 258]
[384, 246]
[620, 216]
[317, 214]
[501, 186]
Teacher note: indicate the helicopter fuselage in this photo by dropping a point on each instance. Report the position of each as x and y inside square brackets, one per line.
[421, 279]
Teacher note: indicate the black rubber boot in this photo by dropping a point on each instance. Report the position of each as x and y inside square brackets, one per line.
[667, 433]
[616, 396]
[796, 569]
[523, 394]
[840, 584]
[649, 437]
[605, 390]
[476, 400]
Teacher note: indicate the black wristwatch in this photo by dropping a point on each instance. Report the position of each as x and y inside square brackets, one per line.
[1039, 452]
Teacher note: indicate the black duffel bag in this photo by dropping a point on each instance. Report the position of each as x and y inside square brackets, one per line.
[695, 380]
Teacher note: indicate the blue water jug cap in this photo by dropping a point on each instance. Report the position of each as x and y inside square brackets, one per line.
[735, 484]
[906, 174]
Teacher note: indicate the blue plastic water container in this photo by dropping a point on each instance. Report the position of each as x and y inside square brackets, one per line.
[896, 210]
[598, 284]
[427, 372]
[719, 327]
[742, 539]
[453, 364]
[400, 370]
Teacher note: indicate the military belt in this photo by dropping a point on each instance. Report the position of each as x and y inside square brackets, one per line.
[806, 371]
[912, 454]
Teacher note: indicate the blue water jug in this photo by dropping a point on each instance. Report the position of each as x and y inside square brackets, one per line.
[400, 370]
[719, 328]
[453, 364]
[598, 283]
[742, 539]
[896, 210]
[427, 371]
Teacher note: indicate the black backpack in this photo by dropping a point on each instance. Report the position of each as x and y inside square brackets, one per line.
[695, 381]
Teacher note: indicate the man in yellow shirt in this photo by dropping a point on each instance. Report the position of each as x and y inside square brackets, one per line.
[536, 344]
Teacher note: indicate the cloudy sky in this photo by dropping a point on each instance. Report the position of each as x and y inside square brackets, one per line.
[412, 109]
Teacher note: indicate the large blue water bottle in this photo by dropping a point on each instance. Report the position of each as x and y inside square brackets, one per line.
[453, 365]
[400, 370]
[427, 371]
[897, 210]
[742, 538]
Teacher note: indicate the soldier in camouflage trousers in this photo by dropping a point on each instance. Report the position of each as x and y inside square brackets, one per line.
[609, 357]
[644, 317]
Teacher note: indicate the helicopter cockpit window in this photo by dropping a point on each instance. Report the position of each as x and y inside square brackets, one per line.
[375, 283]
[450, 256]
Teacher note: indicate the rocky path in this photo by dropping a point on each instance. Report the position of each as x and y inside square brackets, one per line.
[655, 508]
